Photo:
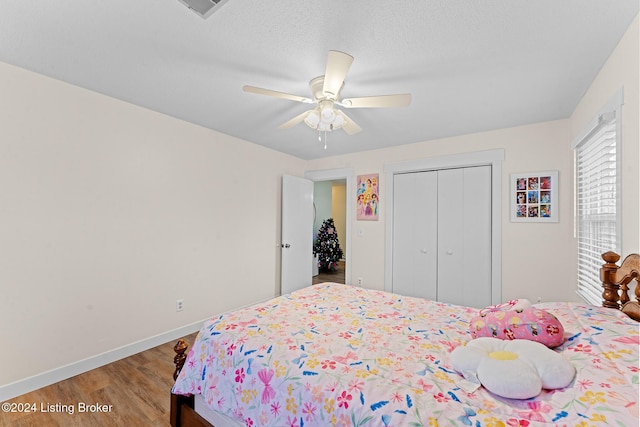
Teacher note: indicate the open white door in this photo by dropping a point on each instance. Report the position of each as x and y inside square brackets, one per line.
[297, 230]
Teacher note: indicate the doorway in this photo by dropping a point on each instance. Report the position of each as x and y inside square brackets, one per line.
[330, 202]
[345, 179]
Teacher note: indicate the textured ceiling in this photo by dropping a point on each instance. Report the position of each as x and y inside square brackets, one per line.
[470, 65]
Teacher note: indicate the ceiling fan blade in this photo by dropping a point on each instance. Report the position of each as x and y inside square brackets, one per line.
[297, 119]
[338, 64]
[382, 101]
[268, 92]
[350, 127]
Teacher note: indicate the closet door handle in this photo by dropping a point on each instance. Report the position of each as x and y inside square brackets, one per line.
[449, 252]
[423, 251]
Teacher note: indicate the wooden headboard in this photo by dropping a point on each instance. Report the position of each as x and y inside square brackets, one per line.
[615, 281]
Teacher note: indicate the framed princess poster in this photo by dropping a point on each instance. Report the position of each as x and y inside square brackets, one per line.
[534, 197]
[367, 197]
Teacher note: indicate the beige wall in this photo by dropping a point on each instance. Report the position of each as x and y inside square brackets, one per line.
[111, 212]
[532, 252]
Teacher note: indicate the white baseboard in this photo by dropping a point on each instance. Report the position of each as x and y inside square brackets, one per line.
[44, 379]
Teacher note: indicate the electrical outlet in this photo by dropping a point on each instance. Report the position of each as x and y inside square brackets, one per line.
[179, 305]
[360, 281]
[539, 299]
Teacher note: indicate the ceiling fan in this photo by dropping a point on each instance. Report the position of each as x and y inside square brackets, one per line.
[326, 95]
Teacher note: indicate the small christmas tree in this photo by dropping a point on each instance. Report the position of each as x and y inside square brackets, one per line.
[327, 246]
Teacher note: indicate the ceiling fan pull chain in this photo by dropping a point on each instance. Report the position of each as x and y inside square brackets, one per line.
[325, 138]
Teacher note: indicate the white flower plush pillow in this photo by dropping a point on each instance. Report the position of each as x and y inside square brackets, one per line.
[517, 369]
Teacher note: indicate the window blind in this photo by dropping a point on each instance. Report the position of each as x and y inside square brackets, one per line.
[597, 212]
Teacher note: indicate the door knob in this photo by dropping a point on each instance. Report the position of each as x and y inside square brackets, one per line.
[285, 245]
[423, 251]
[449, 252]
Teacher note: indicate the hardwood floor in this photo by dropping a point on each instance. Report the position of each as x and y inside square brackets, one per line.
[132, 392]
[337, 276]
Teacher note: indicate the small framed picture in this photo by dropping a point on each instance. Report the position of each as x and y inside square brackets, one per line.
[534, 197]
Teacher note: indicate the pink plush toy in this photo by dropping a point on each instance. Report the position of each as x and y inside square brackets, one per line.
[517, 319]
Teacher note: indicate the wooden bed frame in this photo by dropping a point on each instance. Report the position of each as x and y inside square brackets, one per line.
[615, 281]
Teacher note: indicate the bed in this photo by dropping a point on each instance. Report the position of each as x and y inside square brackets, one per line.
[339, 355]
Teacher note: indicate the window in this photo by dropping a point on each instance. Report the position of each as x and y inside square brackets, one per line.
[597, 201]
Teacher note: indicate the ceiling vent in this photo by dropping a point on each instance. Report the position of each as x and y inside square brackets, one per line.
[204, 8]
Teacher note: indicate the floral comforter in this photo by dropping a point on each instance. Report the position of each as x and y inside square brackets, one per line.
[336, 355]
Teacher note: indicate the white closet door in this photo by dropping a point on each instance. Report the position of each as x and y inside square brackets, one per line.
[464, 236]
[415, 228]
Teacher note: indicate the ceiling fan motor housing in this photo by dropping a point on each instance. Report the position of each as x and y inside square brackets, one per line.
[317, 85]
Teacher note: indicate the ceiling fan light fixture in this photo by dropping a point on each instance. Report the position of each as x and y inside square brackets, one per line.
[325, 119]
[325, 127]
[313, 119]
[328, 115]
[338, 122]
